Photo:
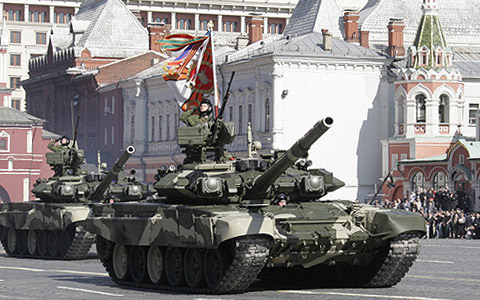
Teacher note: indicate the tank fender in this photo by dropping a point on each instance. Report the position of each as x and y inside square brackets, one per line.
[390, 223]
[42, 216]
[232, 226]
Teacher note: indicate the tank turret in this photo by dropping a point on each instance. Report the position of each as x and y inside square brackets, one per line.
[223, 180]
[53, 225]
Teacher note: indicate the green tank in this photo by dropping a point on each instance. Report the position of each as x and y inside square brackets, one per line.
[219, 222]
[53, 226]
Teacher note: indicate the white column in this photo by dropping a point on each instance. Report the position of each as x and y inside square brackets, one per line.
[149, 17]
[174, 20]
[52, 14]
[411, 119]
[242, 24]
[197, 22]
[26, 189]
[76, 9]
[26, 13]
[265, 25]
[277, 110]
[219, 23]
[431, 126]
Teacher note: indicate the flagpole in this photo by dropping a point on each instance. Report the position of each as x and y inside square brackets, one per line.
[214, 67]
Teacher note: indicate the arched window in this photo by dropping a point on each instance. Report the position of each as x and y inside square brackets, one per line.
[439, 180]
[10, 164]
[418, 181]
[420, 105]
[267, 115]
[443, 109]
[132, 128]
[400, 110]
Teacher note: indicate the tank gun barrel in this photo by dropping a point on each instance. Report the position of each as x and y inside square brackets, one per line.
[117, 168]
[299, 149]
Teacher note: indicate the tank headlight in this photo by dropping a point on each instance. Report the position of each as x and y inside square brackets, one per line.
[313, 184]
[211, 186]
[134, 191]
[66, 190]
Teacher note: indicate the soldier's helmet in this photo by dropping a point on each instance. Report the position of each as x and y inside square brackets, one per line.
[205, 107]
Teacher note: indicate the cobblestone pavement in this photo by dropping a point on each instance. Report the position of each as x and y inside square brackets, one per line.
[445, 269]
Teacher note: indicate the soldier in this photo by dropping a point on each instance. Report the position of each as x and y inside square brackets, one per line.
[195, 116]
[63, 144]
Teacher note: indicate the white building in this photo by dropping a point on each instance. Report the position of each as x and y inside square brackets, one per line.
[284, 84]
[28, 24]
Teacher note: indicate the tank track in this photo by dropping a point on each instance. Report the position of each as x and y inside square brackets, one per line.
[388, 268]
[249, 258]
[402, 254]
[78, 249]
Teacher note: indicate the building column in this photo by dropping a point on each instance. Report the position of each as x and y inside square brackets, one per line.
[197, 22]
[174, 20]
[242, 24]
[26, 13]
[149, 17]
[431, 115]
[265, 25]
[219, 24]
[52, 14]
[277, 105]
[411, 120]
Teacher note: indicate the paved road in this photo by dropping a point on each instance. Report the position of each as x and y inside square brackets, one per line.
[445, 269]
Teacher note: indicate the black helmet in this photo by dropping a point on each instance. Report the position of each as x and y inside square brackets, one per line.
[64, 140]
[209, 110]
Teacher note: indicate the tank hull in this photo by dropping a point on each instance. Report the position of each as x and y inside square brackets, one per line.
[303, 237]
[45, 230]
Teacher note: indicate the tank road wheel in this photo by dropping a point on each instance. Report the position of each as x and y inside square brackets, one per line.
[174, 266]
[32, 242]
[156, 265]
[120, 261]
[22, 242]
[11, 241]
[137, 261]
[52, 243]
[193, 267]
[42, 242]
[214, 266]
[65, 240]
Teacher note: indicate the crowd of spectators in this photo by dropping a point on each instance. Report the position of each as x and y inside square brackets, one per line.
[447, 214]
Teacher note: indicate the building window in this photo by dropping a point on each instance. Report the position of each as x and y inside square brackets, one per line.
[160, 20]
[250, 114]
[240, 119]
[16, 104]
[14, 15]
[105, 140]
[15, 60]
[3, 143]
[230, 26]
[15, 82]
[267, 115]
[10, 164]
[113, 135]
[40, 38]
[109, 106]
[15, 37]
[418, 181]
[443, 109]
[184, 24]
[175, 124]
[168, 127]
[461, 159]
[203, 25]
[420, 108]
[38, 16]
[472, 110]
[132, 128]
[152, 136]
[62, 17]
[160, 128]
[439, 181]
[230, 113]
